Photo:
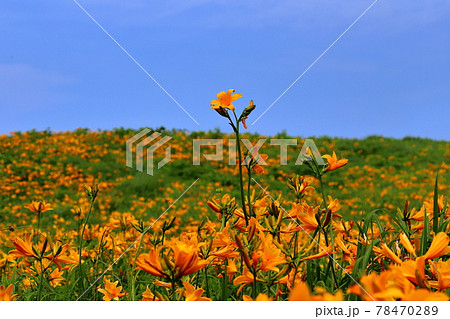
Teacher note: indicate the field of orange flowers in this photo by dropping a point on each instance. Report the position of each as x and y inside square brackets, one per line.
[77, 224]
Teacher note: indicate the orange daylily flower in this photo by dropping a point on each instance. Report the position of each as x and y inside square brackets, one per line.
[333, 162]
[227, 247]
[334, 206]
[245, 278]
[418, 215]
[60, 255]
[301, 292]
[325, 251]
[349, 252]
[387, 252]
[393, 285]
[57, 255]
[441, 270]
[429, 205]
[111, 291]
[308, 217]
[185, 261]
[148, 295]
[232, 267]
[56, 277]
[192, 294]
[223, 238]
[439, 246]
[260, 297]
[226, 252]
[150, 263]
[6, 294]
[290, 228]
[424, 295]
[322, 295]
[404, 240]
[24, 248]
[38, 207]
[225, 100]
[267, 257]
[387, 286]
[304, 186]
[289, 279]
[258, 168]
[255, 161]
[413, 270]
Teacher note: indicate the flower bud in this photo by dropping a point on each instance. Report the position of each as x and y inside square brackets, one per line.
[327, 218]
[223, 112]
[249, 109]
[246, 259]
[239, 243]
[280, 218]
[213, 205]
[251, 231]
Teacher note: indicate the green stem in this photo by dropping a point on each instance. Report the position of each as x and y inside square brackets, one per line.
[133, 276]
[436, 205]
[295, 258]
[80, 246]
[238, 142]
[41, 279]
[225, 281]
[254, 286]
[162, 238]
[250, 208]
[172, 291]
[223, 223]
[207, 285]
[322, 190]
[326, 229]
[331, 262]
[39, 223]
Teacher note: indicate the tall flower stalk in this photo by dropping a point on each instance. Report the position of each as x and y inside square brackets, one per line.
[222, 104]
[253, 161]
[39, 208]
[91, 192]
[325, 220]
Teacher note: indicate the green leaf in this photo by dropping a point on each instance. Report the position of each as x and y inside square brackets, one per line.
[436, 206]
[425, 234]
[371, 218]
[362, 262]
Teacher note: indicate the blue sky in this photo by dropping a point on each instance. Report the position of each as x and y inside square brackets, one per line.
[389, 75]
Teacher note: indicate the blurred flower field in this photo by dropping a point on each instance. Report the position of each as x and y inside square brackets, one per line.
[77, 224]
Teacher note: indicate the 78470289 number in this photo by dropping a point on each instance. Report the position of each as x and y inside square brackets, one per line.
[407, 310]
